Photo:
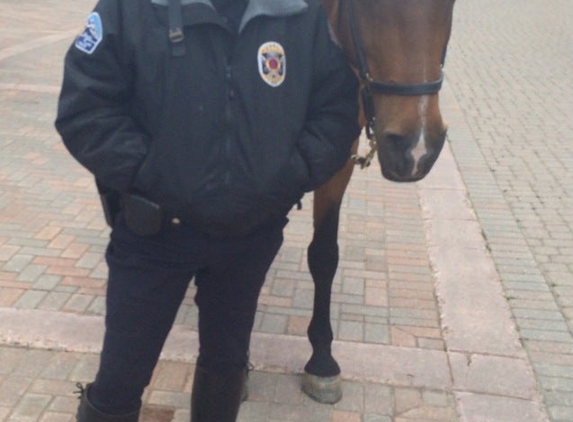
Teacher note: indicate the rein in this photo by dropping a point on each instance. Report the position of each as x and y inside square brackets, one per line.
[371, 86]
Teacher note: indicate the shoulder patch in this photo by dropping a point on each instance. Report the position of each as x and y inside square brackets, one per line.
[92, 35]
[272, 63]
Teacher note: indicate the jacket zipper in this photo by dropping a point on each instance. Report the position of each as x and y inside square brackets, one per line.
[229, 123]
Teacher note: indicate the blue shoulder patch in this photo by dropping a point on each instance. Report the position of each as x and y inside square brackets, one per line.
[92, 35]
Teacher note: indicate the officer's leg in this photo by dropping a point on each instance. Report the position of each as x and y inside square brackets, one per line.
[227, 294]
[146, 286]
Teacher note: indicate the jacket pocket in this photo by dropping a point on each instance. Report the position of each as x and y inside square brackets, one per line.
[146, 178]
[324, 159]
[286, 188]
[300, 169]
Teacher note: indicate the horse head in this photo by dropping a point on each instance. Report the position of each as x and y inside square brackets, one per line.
[397, 48]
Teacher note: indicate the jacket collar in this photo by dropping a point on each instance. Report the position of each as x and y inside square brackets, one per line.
[275, 8]
[255, 8]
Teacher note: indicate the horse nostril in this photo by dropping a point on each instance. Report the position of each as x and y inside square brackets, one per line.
[394, 156]
[397, 144]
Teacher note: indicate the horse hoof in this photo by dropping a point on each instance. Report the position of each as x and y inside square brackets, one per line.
[327, 390]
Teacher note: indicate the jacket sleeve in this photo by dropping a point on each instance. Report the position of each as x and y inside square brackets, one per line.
[93, 116]
[332, 119]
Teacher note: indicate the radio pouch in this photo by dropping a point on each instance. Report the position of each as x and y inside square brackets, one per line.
[110, 202]
[142, 216]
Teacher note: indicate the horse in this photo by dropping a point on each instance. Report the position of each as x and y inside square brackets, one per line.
[397, 49]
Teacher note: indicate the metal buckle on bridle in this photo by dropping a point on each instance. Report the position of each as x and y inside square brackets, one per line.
[368, 106]
[365, 161]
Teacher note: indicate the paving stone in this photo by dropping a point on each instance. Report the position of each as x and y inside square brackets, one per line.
[274, 323]
[30, 299]
[344, 416]
[33, 362]
[60, 366]
[31, 273]
[9, 296]
[556, 383]
[376, 418]
[483, 408]
[493, 375]
[61, 404]
[46, 282]
[558, 336]
[287, 390]
[406, 399]
[376, 333]
[170, 399]
[10, 357]
[262, 387]
[85, 369]
[437, 398]
[353, 397]
[12, 389]
[57, 417]
[378, 399]
[430, 413]
[30, 407]
[561, 413]
[54, 301]
[17, 263]
[171, 376]
[351, 331]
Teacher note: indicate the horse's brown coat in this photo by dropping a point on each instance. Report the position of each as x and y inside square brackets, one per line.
[404, 42]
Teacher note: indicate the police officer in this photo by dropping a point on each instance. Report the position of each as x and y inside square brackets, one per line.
[203, 122]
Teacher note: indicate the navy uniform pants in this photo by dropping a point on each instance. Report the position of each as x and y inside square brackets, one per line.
[148, 279]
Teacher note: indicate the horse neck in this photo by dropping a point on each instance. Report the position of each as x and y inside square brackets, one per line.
[331, 9]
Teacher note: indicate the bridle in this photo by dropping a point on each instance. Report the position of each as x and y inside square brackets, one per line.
[371, 86]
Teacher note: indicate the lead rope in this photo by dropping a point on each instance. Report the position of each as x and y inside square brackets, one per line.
[365, 93]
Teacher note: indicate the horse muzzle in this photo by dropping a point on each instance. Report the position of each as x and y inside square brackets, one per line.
[408, 159]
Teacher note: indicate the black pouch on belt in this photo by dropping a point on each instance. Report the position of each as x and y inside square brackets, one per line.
[110, 202]
[142, 216]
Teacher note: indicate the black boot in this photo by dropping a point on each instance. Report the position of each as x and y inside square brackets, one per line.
[216, 397]
[245, 393]
[88, 413]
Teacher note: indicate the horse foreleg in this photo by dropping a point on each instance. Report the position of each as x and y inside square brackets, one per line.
[323, 263]
[322, 373]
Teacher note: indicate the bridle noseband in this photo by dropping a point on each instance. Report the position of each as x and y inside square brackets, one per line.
[371, 86]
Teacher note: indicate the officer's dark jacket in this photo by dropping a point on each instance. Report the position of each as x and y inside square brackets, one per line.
[210, 135]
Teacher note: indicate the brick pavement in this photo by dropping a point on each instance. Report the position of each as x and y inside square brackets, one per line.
[423, 328]
[510, 70]
[38, 385]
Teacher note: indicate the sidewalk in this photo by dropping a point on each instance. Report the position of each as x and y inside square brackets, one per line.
[423, 327]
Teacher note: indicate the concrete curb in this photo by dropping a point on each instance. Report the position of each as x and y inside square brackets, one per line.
[485, 354]
[272, 353]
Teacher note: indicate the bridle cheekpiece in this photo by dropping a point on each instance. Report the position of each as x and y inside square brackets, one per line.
[370, 86]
